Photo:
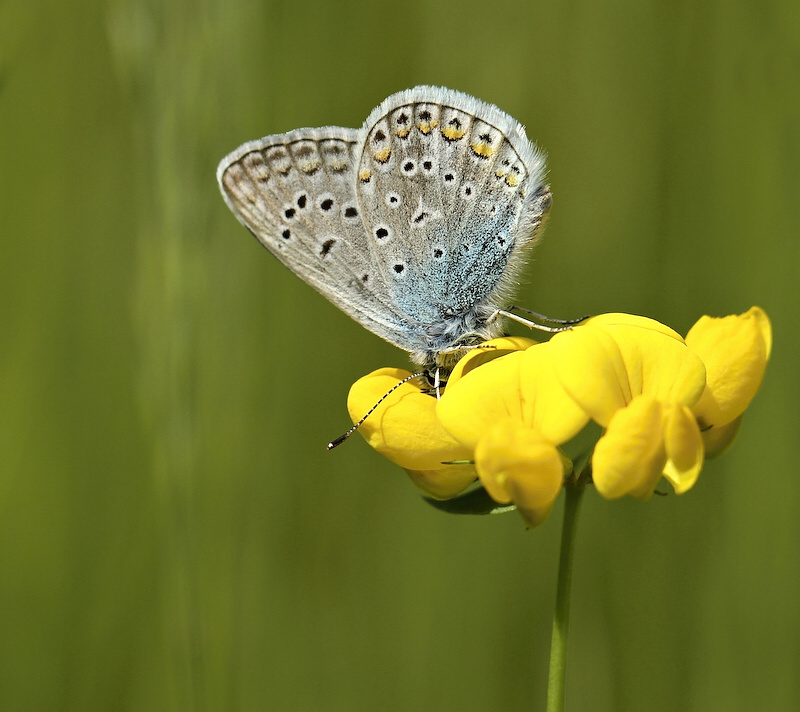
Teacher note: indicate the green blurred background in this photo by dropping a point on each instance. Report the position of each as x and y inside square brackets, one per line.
[173, 534]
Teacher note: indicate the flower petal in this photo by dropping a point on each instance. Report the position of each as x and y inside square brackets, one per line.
[630, 457]
[659, 365]
[764, 326]
[520, 385]
[516, 466]
[718, 439]
[446, 481]
[735, 350]
[684, 447]
[488, 351]
[482, 397]
[546, 406]
[591, 369]
[604, 367]
[404, 426]
[642, 322]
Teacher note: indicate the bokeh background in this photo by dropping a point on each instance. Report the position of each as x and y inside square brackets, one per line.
[173, 534]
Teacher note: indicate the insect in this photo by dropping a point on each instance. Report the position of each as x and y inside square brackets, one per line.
[416, 224]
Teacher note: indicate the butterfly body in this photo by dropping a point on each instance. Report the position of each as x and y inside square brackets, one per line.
[415, 225]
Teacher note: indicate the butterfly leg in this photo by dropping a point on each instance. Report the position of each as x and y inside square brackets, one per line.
[537, 320]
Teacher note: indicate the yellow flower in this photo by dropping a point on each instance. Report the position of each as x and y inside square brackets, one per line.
[511, 406]
[636, 378]
[513, 413]
[404, 428]
[735, 350]
[517, 465]
[488, 351]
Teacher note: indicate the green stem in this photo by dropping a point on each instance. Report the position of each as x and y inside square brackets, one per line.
[558, 645]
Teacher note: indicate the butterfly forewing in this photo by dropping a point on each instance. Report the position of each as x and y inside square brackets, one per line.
[296, 193]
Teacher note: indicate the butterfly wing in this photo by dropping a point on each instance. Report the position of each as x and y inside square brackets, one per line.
[296, 193]
[415, 225]
[452, 196]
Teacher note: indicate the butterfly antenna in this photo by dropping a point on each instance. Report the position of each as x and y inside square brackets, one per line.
[338, 441]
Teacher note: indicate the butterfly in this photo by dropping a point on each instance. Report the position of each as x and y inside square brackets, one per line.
[416, 224]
